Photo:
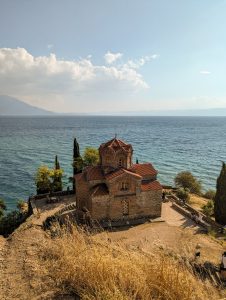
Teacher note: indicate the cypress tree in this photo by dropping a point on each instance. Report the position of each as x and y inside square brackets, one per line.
[77, 159]
[220, 198]
[57, 184]
[57, 164]
[76, 153]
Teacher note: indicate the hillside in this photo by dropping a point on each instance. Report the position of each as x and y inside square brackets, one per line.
[10, 106]
[141, 262]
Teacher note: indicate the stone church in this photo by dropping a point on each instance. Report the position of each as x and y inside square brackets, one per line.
[117, 189]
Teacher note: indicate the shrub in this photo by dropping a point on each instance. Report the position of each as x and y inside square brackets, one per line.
[185, 180]
[183, 194]
[210, 194]
[208, 209]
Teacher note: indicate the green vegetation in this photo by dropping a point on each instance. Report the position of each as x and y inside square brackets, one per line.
[49, 180]
[21, 205]
[2, 207]
[186, 180]
[183, 194]
[77, 159]
[42, 180]
[210, 194]
[220, 198]
[91, 156]
[208, 209]
[10, 221]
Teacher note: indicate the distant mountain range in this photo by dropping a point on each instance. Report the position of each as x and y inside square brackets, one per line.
[10, 106]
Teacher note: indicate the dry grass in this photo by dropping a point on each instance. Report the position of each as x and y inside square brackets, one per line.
[94, 267]
[197, 201]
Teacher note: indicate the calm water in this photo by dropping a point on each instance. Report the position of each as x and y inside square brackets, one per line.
[172, 144]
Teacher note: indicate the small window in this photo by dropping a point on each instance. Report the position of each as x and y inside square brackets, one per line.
[121, 162]
[124, 186]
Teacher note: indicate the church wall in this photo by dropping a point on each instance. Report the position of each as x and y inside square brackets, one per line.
[100, 207]
[82, 194]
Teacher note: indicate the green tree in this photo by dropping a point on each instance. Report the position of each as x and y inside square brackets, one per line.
[183, 194]
[220, 198]
[57, 164]
[91, 156]
[77, 159]
[56, 183]
[42, 180]
[186, 180]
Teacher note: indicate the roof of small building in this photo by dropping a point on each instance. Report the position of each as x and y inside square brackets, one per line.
[99, 190]
[143, 169]
[115, 145]
[150, 186]
[120, 172]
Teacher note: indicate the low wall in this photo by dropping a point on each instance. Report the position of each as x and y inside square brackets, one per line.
[207, 221]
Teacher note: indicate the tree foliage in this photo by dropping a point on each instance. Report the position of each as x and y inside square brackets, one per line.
[49, 180]
[183, 194]
[220, 198]
[91, 156]
[210, 194]
[10, 221]
[42, 180]
[186, 180]
[208, 208]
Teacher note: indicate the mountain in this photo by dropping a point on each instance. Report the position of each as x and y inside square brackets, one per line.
[10, 106]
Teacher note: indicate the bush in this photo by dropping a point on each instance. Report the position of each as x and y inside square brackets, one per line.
[186, 180]
[183, 194]
[208, 209]
[10, 221]
[210, 194]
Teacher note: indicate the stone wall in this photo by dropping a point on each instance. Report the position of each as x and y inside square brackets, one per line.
[82, 195]
[110, 207]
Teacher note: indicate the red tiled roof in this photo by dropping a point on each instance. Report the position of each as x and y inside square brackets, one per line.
[151, 186]
[94, 173]
[99, 190]
[116, 144]
[143, 169]
[119, 172]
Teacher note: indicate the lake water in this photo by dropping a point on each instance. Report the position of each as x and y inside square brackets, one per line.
[172, 144]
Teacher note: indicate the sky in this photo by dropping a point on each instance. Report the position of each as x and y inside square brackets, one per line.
[114, 56]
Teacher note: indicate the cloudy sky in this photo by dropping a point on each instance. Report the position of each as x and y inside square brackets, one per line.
[114, 56]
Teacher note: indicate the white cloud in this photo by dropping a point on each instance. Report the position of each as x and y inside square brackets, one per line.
[65, 85]
[110, 57]
[204, 72]
[136, 64]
